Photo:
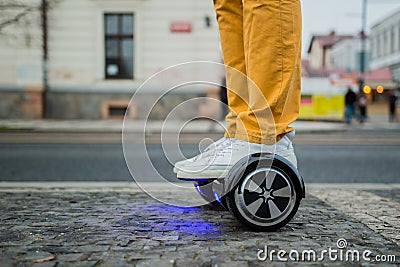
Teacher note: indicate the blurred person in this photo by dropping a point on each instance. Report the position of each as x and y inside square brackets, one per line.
[393, 99]
[261, 41]
[350, 103]
[362, 107]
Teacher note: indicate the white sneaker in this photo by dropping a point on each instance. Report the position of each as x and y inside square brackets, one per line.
[208, 151]
[217, 163]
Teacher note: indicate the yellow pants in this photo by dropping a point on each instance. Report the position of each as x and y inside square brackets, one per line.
[261, 40]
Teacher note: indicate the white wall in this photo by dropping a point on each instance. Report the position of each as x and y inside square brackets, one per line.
[20, 50]
[73, 43]
[316, 55]
[344, 54]
[386, 51]
[76, 43]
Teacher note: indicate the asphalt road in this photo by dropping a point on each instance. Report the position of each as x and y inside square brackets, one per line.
[348, 157]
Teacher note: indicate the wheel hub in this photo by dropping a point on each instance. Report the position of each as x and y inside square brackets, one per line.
[267, 194]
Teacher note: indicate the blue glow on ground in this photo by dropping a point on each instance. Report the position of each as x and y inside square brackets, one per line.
[186, 220]
[168, 209]
[200, 228]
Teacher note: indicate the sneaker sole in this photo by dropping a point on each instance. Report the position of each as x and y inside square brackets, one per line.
[208, 174]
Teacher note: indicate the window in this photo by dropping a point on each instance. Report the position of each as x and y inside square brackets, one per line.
[398, 32]
[373, 46]
[379, 47]
[385, 44]
[392, 40]
[119, 46]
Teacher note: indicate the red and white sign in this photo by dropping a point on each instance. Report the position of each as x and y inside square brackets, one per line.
[181, 27]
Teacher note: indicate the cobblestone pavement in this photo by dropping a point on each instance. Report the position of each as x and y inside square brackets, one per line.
[118, 225]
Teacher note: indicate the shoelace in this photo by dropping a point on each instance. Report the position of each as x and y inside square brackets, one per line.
[229, 148]
[240, 146]
[208, 151]
[214, 144]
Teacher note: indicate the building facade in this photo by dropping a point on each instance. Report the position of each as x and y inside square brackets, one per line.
[385, 44]
[346, 55]
[99, 53]
[320, 50]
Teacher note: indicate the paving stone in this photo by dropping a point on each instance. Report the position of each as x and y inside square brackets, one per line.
[89, 248]
[166, 238]
[35, 256]
[114, 262]
[72, 257]
[217, 263]
[158, 263]
[77, 264]
[44, 264]
[111, 228]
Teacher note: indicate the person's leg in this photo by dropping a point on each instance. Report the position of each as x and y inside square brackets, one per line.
[272, 45]
[230, 21]
[272, 49]
[392, 110]
[347, 114]
[356, 114]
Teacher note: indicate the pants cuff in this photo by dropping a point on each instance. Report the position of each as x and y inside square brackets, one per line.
[254, 137]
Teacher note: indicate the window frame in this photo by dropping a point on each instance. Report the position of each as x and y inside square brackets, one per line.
[120, 36]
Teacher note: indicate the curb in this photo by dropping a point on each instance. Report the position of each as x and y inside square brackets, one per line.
[150, 126]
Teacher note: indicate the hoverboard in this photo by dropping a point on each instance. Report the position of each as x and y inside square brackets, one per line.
[263, 191]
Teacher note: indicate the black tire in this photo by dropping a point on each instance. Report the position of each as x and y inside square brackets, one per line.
[261, 208]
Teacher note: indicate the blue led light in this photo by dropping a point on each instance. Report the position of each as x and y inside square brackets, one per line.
[217, 198]
[198, 188]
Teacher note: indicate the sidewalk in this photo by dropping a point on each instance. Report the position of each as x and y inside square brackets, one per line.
[150, 126]
[116, 224]
[196, 126]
